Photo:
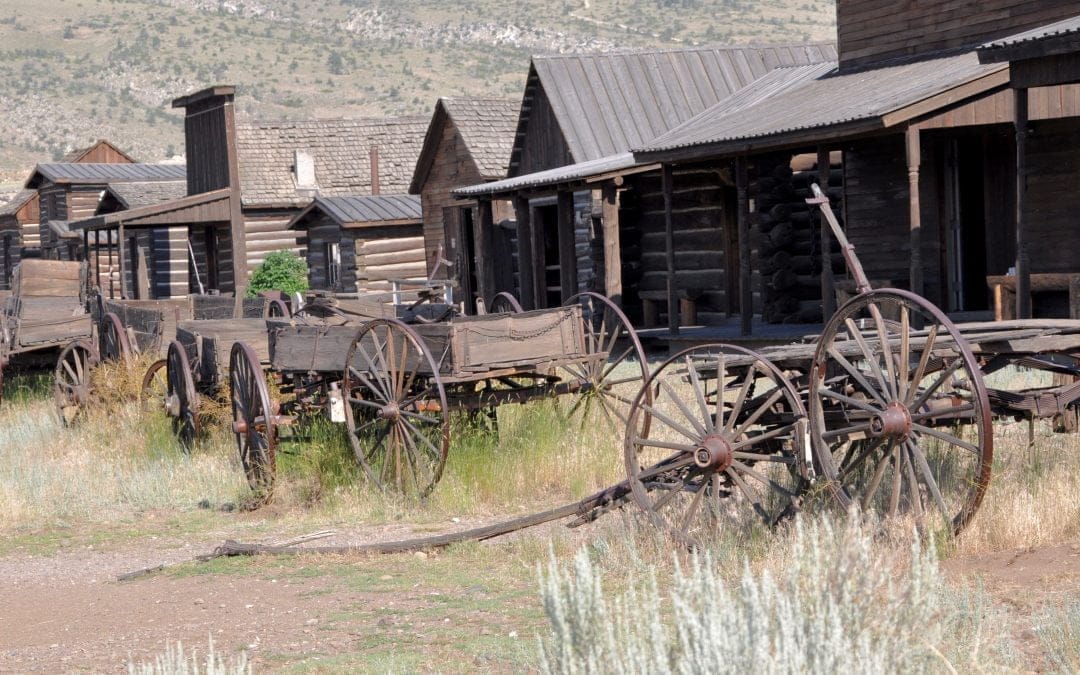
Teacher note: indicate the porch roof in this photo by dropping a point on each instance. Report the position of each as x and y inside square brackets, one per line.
[1060, 37]
[589, 171]
[354, 212]
[206, 207]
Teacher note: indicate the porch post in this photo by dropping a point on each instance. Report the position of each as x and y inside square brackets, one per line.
[828, 284]
[914, 158]
[120, 255]
[568, 279]
[612, 248]
[1023, 262]
[485, 262]
[746, 293]
[669, 247]
[526, 257]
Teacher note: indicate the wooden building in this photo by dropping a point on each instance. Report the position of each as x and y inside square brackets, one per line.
[247, 181]
[468, 141]
[358, 244]
[20, 218]
[591, 217]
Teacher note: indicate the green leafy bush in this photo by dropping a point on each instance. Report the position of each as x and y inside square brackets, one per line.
[281, 271]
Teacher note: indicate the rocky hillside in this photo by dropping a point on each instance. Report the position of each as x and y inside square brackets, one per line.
[76, 70]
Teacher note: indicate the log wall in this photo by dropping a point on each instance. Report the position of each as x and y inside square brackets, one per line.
[370, 256]
[265, 231]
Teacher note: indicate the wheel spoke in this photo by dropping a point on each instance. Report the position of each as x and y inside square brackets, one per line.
[758, 412]
[868, 354]
[692, 509]
[749, 493]
[675, 426]
[762, 437]
[941, 379]
[699, 394]
[905, 354]
[886, 350]
[683, 408]
[879, 473]
[744, 389]
[749, 471]
[920, 370]
[855, 374]
[721, 375]
[915, 454]
[897, 484]
[947, 437]
[666, 445]
[853, 402]
[916, 495]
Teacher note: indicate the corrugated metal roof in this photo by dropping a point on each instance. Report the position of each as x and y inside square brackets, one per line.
[608, 103]
[381, 208]
[341, 152]
[793, 100]
[100, 174]
[136, 194]
[564, 174]
[1056, 29]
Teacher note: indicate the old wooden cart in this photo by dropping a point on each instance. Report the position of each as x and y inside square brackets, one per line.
[394, 377]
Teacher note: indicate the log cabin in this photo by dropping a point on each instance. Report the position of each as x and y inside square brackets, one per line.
[468, 141]
[359, 244]
[589, 216]
[248, 181]
[20, 218]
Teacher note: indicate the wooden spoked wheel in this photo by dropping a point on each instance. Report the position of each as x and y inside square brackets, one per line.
[277, 309]
[181, 399]
[115, 345]
[254, 422]
[396, 408]
[725, 448]
[504, 303]
[321, 315]
[155, 386]
[899, 412]
[71, 379]
[606, 382]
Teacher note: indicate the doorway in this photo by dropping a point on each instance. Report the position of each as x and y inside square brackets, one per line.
[965, 227]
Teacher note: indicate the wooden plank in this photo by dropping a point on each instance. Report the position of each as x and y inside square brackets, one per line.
[495, 340]
[612, 248]
[568, 277]
[1023, 271]
[913, 154]
[746, 298]
[526, 260]
[667, 180]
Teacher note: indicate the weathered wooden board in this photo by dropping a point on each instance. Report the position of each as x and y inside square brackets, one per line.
[493, 340]
[153, 322]
[209, 342]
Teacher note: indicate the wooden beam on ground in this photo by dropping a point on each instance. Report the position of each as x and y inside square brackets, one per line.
[568, 280]
[746, 293]
[612, 248]
[828, 284]
[669, 248]
[1023, 263]
[914, 158]
[527, 269]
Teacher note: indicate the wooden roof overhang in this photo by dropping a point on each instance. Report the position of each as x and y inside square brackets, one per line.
[580, 176]
[358, 212]
[1040, 57]
[207, 207]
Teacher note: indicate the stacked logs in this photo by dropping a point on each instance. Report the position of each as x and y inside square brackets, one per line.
[789, 245]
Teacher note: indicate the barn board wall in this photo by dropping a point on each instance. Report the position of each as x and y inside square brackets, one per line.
[872, 30]
[1052, 198]
[544, 145]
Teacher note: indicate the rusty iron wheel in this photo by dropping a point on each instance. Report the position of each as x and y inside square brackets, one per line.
[901, 425]
[504, 303]
[613, 371]
[396, 408]
[181, 398]
[71, 379]
[155, 386]
[254, 423]
[113, 338]
[277, 309]
[725, 448]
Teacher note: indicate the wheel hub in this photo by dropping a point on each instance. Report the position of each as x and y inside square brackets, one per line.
[894, 420]
[390, 411]
[714, 453]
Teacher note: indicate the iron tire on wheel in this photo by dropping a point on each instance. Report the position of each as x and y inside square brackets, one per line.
[902, 425]
[713, 454]
[115, 345]
[254, 424]
[182, 401]
[71, 379]
[155, 386]
[396, 409]
[504, 303]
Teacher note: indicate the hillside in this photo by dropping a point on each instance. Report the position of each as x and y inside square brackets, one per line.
[76, 70]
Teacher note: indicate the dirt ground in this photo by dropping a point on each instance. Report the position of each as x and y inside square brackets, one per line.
[63, 609]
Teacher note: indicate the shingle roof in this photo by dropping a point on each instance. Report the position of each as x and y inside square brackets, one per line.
[136, 194]
[608, 103]
[1001, 50]
[348, 211]
[341, 152]
[101, 174]
[487, 127]
[775, 109]
[16, 202]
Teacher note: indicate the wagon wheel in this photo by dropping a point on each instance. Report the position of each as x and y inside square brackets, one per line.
[277, 309]
[504, 303]
[113, 338]
[181, 399]
[901, 425]
[396, 408]
[726, 445]
[155, 386]
[614, 369]
[321, 314]
[254, 423]
[71, 379]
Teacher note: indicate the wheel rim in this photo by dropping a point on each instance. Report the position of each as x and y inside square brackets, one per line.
[716, 457]
[504, 303]
[182, 401]
[902, 425]
[115, 344]
[155, 386]
[607, 385]
[254, 423]
[277, 309]
[71, 379]
[396, 409]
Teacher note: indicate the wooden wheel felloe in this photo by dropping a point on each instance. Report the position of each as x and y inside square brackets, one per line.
[725, 446]
[155, 386]
[113, 338]
[607, 381]
[277, 309]
[396, 408]
[181, 399]
[254, 422]
[899, 413]
[504, 303]
[71, 379]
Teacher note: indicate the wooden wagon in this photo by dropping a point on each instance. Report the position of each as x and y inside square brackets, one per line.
[395, 381]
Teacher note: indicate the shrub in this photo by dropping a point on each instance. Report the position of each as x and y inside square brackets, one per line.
[280, 271]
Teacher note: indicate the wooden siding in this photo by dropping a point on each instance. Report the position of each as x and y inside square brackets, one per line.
[544, 145]
[872, 30]
[369, 256]
[265, 231]
[103, 153]
[451, 168]
[1043, 103]
[1053, 201]
[206, 142]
